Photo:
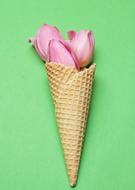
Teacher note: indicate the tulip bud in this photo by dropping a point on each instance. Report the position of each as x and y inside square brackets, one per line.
[59, 53]
[82, 45]
[41, 41]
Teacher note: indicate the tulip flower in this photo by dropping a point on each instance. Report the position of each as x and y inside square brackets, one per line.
[59, 53]
[82, 45]
[77, 51]
[41, 41]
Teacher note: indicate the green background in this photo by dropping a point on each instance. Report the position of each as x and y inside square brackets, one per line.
[30, 152]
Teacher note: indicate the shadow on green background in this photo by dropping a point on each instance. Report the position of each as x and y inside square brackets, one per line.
[30, 151]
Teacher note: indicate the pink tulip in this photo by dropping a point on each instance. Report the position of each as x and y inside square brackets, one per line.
[58, 52]
[82, 45]
[41, 41]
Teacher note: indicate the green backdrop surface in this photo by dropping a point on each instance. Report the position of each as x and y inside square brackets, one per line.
[30, 152]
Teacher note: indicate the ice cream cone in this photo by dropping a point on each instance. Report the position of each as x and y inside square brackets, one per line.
[71, 91]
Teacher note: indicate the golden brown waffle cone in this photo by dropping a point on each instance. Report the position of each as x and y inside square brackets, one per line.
[71, 91]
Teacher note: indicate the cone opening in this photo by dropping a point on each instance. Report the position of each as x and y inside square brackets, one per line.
[69, 67]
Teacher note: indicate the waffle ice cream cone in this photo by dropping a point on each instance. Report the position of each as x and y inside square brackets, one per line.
[71, 91]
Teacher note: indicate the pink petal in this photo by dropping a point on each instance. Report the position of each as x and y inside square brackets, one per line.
[41, 54]
[71, 34]
[82, 45]
[45, 34]
[75, 60]
[60, 54]
[67, 44]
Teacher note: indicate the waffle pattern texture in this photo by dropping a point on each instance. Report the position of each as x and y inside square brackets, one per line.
[71, 91]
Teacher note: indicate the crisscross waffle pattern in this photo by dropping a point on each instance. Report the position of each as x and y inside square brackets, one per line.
[71, 91]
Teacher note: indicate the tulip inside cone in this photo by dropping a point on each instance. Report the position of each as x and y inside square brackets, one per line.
[76, 51]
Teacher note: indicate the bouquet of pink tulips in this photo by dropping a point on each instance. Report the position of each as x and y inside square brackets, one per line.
[71, 86]
[77, 51]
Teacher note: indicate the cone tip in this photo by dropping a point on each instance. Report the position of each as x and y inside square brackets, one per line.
[72, 184]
